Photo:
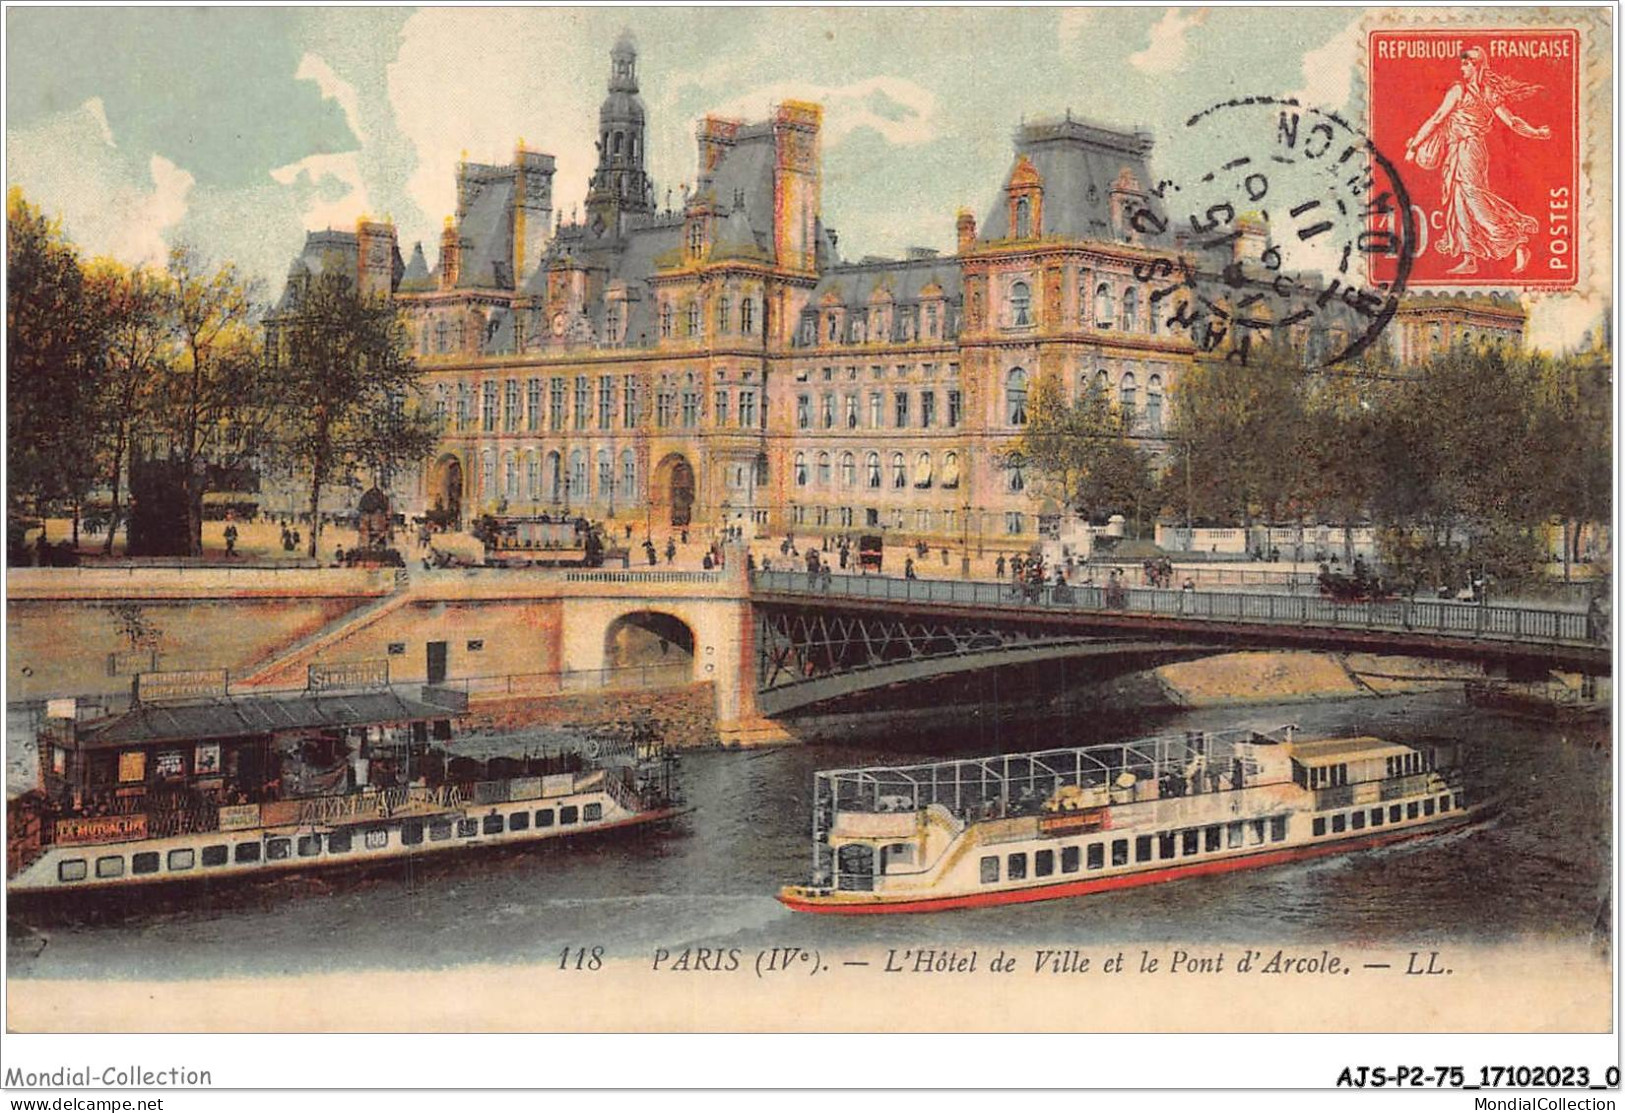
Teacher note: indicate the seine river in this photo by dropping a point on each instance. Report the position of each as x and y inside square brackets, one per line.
[1539, 871]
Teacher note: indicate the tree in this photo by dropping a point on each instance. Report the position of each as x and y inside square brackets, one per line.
[1572, 437]
[54, 336]
[135, 305]
[348, 389]
[1081, 452]
[206, 403]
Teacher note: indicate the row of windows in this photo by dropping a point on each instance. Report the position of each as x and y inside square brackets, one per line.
[1015, 394]
[925, 519]
[511, 409]
[902, 324]
[548, 477]
[1106, 309]
[1147, 848]
[845, 413]
[876, 371]
[691, 316]
[923, 476]
[1361, 818]
[338, 842]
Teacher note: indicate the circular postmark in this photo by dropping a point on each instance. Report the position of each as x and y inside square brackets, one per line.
[1276, 236]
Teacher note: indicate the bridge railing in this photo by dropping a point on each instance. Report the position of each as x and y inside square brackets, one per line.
[1424, 616]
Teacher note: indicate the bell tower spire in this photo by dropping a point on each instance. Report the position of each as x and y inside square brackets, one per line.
[619, 186]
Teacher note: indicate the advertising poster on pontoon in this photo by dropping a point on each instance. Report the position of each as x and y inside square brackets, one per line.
[809, 520]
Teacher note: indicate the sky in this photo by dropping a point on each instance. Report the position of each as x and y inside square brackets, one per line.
[238, 129]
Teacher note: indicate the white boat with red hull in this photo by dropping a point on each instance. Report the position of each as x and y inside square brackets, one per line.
[1014, 828]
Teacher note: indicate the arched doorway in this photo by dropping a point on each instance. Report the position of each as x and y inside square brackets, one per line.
[446, 492]
[648, 646]
[673, 490]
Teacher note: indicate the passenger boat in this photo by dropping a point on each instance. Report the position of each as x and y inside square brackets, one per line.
[193, 783]
[1063, 823]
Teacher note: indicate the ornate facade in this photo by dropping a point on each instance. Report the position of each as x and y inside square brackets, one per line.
[719, 362]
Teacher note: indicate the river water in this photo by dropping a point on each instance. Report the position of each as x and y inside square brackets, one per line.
[1541, 871]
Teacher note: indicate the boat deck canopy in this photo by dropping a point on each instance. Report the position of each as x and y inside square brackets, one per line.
[250, 716]
[1332, 750]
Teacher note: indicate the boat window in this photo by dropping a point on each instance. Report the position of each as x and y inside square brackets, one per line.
[1357, 820]
[278, 849]
[1339, 822]
[1119, 852]
[72, 869]
[592, 813]
[439, 832]
[1165, 845]
[990, 869]
[338, 842]
[1210, 838]
[412, 832]
[1043, 863]
[1412, 810]
[1427, 806]
[110, 867]
[1256, 835]
[519, 821]
[567, 815]
[1320, 825]
[1376, 817]
[1070, 859]
[442, 730]
[1190, 841]
[310, 846]
[467, 828]
[1234, 835]
[1444, 804]
[1393, 813]
[377, 838]
[1278, 828]
[493, 824]
[146, 862]
[248, 852]
[544, 818]
[1097, 855]
[214, 855]
[1142, 848]
[1016, 867]
[183, 859]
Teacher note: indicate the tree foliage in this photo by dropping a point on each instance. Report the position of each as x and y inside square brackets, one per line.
[1082, 453]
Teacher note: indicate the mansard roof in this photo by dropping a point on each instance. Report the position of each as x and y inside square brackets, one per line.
[1080, 164]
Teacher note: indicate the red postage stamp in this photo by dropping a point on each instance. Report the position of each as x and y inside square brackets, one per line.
[1483, 127]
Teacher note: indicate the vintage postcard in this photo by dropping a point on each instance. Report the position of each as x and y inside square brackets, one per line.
[811, 520]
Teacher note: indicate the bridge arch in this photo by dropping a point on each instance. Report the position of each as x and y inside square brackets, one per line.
[650, 641]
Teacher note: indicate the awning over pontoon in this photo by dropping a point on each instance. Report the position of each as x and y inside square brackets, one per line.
[248, 716]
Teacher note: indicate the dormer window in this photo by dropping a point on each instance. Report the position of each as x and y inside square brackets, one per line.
[747, 316]
[696, 238]
[665, 320]
[1024, 218]
[1021, 303]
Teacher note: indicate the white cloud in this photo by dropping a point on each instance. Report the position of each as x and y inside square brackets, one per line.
[313, 68]
[899, 110]
[1328, 70]
[311, 173]
[1074, 22]
[70, 166]
[1165, 51]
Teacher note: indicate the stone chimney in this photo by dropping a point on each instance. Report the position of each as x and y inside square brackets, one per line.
[451, 255]
[966, 227]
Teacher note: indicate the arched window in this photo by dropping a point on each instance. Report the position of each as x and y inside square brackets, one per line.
[1105, 311]
[1024, 218]
[899, 471]
[724, 307]
[606, 473]
[1015, 393]
[488, 473]
[665, 319]
[873, 465]
[510, 476]
[696, 237]
[578, 476]
[747, 316]
[823, 469]
[617, 142]
[1016, 467]
[833, 328]
[950, 470]
[1125, 394]
[551, 477]
[801, 469]
[848, 469]
[1152, 307]
[1103, 383]
[629, 473]
[922, 470]
[1021, 304]
[533, 477]
[694, 317]
[1153, 404]
[1131, 310]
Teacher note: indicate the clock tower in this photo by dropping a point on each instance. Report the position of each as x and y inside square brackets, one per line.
[619, 187]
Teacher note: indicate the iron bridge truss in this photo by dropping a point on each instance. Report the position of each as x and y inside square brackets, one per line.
[795, 645]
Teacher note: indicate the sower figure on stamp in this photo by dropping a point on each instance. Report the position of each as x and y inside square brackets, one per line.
[1478, 223]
